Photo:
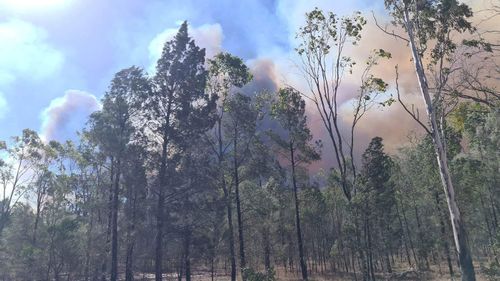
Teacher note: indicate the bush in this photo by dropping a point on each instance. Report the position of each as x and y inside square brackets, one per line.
[492, 270]
[252, 275]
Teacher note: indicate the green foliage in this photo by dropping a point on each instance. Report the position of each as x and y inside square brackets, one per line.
[227, 71]
[289, 110]
[383, 53]
[59, 199]
[179, 108]
[251, 275]
[480, 44]
[324, 31]
[432, 20]
[492, 268]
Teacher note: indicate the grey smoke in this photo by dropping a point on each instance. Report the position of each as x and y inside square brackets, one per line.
[65, 115]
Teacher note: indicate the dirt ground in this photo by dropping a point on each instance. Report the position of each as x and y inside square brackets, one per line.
[432, 275]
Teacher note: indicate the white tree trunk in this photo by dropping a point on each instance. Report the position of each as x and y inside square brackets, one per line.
[459, 234]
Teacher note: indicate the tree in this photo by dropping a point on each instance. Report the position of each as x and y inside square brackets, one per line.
[173, 162]
[43, 179]
[134, 185]
[112, 130]
[226, 73]
[189, 203]
[323, 40]
[289, 110]
[476, 172]
[241, 131]
[476, 61]
[424, 21]
[178, 109]
[23, 154]
[379, 201]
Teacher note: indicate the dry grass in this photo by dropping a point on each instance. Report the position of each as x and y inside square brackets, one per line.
[400, 274]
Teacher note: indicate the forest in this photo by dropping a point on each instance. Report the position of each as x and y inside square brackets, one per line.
[181, 175]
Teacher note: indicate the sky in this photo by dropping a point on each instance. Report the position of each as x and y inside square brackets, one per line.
[57, 57]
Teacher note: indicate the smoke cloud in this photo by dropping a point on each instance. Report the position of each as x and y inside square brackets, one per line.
[65, 115]
[391, 123]
[264, 77]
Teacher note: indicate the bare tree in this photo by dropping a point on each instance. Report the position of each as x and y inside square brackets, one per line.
[323, 40]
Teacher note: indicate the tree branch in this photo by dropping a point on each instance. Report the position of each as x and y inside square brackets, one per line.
[392, 33]
[411, 113]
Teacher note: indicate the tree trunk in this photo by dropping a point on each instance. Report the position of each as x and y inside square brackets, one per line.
[131, 237]
[212, 268]
[231, 237]
[114, 224]
[388, 261]
[446, 247]
[459, 233]
[267, 248]
[160, 216]
[361, 255]
[422, 252]
[227, 199]
[493, 208]
[159, 237]
[403, 236]
[238, 206]
[409, 234]
[303, 266]
[129, 263]
[129, 273]
[88, 246]
[180, 269]
[105, 260]
[187, 257]
[37, 215]
[371, 269]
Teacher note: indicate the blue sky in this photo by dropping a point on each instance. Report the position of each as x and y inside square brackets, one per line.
[58, 56]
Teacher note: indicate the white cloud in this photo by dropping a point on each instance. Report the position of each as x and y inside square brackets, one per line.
[293, 12]
[3, 106]
[208, 36]
[67, 114]
[25, 53]
[31, 6]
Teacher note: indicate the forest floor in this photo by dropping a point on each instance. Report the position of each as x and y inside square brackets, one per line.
[409, 275]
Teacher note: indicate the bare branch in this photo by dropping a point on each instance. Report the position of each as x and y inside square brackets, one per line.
[384, 29]
[412, 113]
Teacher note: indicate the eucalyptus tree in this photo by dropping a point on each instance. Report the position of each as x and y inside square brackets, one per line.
[261, 191]
[226, 74]
[21, 156]
[474, 76]
[324, 65]
[178, 109]
[91, 200]
[476, 172]
[295, 147]
[430, 26]
[43, 179]
[240, 129]
[62, 217]
[476, 60]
